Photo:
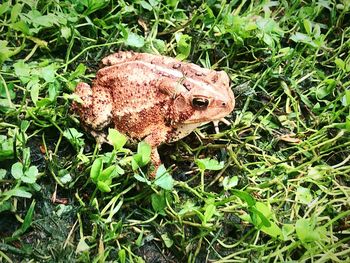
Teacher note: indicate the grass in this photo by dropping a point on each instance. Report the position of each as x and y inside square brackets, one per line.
[272, 187]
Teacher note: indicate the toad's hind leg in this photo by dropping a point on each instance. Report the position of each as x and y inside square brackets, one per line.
[102, 108]
[95, 107]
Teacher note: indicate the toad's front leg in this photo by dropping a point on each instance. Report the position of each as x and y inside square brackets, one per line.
[154, 140]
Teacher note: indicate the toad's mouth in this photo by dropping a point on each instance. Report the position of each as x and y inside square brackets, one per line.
[205, 120]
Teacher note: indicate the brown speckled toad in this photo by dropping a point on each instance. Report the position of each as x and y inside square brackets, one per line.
[152, 97]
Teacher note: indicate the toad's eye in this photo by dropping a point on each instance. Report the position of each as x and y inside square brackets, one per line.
[200, 103]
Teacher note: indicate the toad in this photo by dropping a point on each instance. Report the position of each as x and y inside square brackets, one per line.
[154, 98]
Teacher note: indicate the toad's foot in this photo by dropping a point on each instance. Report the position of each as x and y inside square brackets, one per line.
[216, 124]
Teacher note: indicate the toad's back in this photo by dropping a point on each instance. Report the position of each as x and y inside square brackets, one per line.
[133, 86]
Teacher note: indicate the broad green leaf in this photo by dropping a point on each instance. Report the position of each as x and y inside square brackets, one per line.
[24, 125]
[2, 173]
[146, 5]
[264, 209]
[5, 206]
[15, 11]
[62, 209]
[159, 202]
[103, 186]
[300, 37]
[5, 105]
[268, 40]
[268, 26]
[3, 138]
[34, 91]
[153, 2]
[229, 182]
[172, 3]
[145, 150]
[138, 241]
[134, 40]
[267, 122]
[53, 90]
[43, 102]
[188, 207]
[269, 226]
[26, 156]
[66, 178]
[136, 160]
[318, 172]
[72, 133]
[116, 138]
[347, 123]
[48, 73]
[303, 195]
[209, 164]
[82, 246]
[244, 196]
[30, 175]
[28, 180]
[209, 17]
[209, 212]
[317, 31]
[6, 148]
[167, 240]
[326, 88]
[96, 169]
[36, 187]
[74, 137]
[22, 70]
[66, 32]
[82, 157]
[143, 155]
[21, 26]
[45, 21]
[142, 179]
[5, 7]
[17, 170]
[122, 255]
[79, 71]
[183, 46]
[287, 230]
[107, 173]
[32, 14]
[95, 5]
[305, 229]
[340, 63]
[118, 169]
[163, 178]
[307, 26]
[159, 45]
[273, 230]
[19, 192]
[258, 217]
[7, 92]
[346, 98]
